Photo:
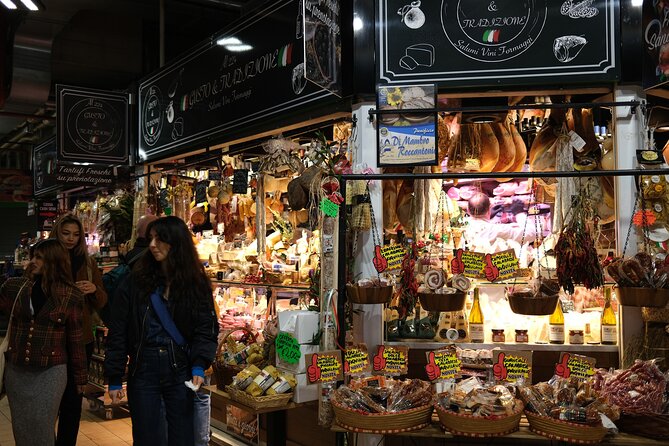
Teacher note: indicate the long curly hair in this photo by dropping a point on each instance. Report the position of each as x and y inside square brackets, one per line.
[80, 249]
[184, 273]
[56, 270]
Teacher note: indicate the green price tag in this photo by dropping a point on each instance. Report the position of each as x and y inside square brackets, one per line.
[287, 348]
[329, 208]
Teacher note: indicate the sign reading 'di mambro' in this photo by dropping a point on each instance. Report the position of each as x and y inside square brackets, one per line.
[92, 125]
[407, 138]
[231, 85]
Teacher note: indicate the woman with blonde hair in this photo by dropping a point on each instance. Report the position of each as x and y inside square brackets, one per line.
[44, 342]
[88, 278]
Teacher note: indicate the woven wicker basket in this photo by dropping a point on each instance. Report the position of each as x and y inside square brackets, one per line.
[481, 427]
[225, 372]
[564, 430]
[259, 402]
[442, 302]
[643, 297]
[533, 306]
[383, 423]
[369, 295]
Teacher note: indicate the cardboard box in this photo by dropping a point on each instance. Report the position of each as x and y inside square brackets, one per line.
[301, 324]
[300, 366]
[304, 392]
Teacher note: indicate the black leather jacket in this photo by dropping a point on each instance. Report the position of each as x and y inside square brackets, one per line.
[127, 330]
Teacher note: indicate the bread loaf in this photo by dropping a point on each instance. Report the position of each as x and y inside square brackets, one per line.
[507, 148]
[489, 148]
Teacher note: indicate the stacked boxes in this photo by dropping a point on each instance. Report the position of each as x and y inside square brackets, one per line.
[303, 326]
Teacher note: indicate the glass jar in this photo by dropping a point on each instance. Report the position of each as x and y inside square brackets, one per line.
[522, 337]
[576, 336]
[498, 335]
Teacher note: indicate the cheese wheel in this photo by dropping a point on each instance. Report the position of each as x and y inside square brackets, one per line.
[507, 148]
[489, 148]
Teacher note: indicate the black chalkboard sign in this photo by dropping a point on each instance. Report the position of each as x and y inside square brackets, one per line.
[240, 181]
[44, 168]
[487, 43]
[251, 72]
[92, 125]
[655, 38]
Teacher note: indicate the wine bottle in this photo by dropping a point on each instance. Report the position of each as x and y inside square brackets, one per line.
[556, 325]
[476, 331]
[608, 322]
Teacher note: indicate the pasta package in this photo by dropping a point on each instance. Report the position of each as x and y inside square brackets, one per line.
[244, 378]
[286, 383]
[263, 381]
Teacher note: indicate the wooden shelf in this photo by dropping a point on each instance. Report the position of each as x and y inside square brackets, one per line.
[225, 397]
[298, 287]
[522, 435]
[429, 344]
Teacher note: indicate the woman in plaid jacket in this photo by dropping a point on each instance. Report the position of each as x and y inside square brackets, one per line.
[45, 340]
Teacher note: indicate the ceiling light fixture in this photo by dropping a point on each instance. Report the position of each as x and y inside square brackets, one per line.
[30, 5]
[8, 4]
[238, 48]
[226, 41]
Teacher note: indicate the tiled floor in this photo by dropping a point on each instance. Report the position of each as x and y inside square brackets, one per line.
[94, 429]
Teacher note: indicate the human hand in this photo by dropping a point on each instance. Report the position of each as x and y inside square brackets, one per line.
[379, 360]
[116, 396]
[197, 381]
[432, 369]
[314, 371]
[86, 287]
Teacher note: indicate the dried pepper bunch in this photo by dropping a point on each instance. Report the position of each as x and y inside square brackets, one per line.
[576, 255]
[408, 285]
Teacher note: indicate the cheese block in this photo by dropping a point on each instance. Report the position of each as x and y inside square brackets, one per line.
[591, 143]
[489, 148]
[507, 148]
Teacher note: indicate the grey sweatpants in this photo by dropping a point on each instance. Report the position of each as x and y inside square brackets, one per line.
[34, 397]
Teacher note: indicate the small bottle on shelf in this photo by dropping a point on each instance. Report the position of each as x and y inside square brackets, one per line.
[556, 326]
[609, 322]
[476, 330]
[587, 337]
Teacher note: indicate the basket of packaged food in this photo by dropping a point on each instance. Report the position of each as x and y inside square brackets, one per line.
[394, 407]
[262, 389]
[479, 411]
[371, 291]
[640, 282]
[537, 299]
[641, 394]
[439, 294]
[567, 410]
[237, 349]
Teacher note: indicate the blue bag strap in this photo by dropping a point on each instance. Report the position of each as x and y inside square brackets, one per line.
[165, 318]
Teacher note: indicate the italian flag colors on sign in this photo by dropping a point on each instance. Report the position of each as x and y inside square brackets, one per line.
[491, 36]
[285, 54]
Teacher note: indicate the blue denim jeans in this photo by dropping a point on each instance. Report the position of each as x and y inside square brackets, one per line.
[202, 414]
[156, 384]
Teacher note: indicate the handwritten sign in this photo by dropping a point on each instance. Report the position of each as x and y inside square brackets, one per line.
[442, 364]
[477, 265]
[287, 348]
[356, 360]
[324, 367]
[393, 254]
[391, 360]
[513, 366]
[576, 366]
[329, 208]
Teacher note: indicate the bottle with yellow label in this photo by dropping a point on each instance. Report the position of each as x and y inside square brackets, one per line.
[476, 330]
[556, 325]
[608, 322]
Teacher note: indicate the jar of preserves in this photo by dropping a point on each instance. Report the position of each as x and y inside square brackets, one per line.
[576, 336]
[498, 335]
[522, 337]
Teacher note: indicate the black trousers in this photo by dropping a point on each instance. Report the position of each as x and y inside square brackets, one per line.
[69, 413]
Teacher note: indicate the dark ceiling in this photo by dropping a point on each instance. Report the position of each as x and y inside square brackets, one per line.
[106, 44]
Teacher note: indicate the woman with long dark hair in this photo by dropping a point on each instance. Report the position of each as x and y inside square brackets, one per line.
[44, 342]
[163, 318]
[88, 278]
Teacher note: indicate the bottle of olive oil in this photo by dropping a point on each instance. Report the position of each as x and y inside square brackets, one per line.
[556, 325]
[609, 327]
[476, 330]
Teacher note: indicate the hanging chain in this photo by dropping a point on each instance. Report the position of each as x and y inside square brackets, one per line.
[375, 233]
[629, 228]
